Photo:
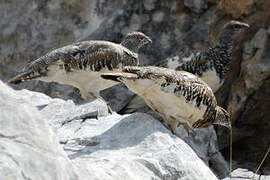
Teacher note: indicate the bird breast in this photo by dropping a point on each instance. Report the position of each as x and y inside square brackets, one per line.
[87, 81]
[212, 79]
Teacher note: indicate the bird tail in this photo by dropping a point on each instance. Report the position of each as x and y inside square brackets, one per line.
[31, 71]
[119, 76]
[25, 76]
[36, 68]
[223, 118]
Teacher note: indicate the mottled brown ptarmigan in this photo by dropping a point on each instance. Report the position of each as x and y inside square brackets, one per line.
[210, 64]
[81, 63]
[178, 96]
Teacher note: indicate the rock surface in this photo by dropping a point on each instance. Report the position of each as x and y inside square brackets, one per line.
[244, 174]
[28, 148]
[236, 8]
[132, 146]
[196, 5]
[248, 102]
[124, 147]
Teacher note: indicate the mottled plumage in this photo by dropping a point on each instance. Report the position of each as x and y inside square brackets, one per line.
[178, 96]
[81, 63]
[210, 64]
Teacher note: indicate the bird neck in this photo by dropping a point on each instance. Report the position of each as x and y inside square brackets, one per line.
[226, 39]
[220, 55]
[134, 47]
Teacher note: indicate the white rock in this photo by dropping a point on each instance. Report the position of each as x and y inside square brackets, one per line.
[129, 147]
[124, 147]
[244, 174]
[28, 147]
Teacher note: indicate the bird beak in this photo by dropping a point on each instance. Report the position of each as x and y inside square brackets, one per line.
[148, 40]
[245, 25]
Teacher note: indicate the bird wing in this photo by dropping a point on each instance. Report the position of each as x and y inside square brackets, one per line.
[96, 55]
[187, 60]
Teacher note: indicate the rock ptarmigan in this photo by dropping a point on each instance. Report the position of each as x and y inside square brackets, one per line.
[178, 96]
[81, 63]
[210, 64]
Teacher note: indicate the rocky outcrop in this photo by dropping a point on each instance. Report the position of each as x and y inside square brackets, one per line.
[125, 147]
[244, 174]
[237, 8]
[72, 124]
[28, 148]
[134, 146]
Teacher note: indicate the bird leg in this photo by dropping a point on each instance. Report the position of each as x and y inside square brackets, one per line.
[174, 130]
[173, 123]
[189, 130]
[87, 95]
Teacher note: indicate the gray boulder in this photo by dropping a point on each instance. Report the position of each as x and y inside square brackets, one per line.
[28, 147]
[134, 146]
[99, 145]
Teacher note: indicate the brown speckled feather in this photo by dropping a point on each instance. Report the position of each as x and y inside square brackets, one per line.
[212, 63]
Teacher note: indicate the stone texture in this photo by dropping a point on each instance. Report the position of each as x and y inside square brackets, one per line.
[249, 100]
[77, 127]
[244, 174]
[204, 143]
[132, 146]
[196, 5]
[117, 96]
[206, 147]
[29, 149]
[236, 8]
[149, 4]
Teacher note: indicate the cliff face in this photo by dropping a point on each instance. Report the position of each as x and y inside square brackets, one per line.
[246, 92]
[30, 28]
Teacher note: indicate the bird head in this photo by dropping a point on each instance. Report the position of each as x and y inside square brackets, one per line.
[135, 40]
[233, 29]
[222, 118]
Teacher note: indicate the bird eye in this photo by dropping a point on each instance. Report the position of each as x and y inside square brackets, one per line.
[236, 26]
[141, 38]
